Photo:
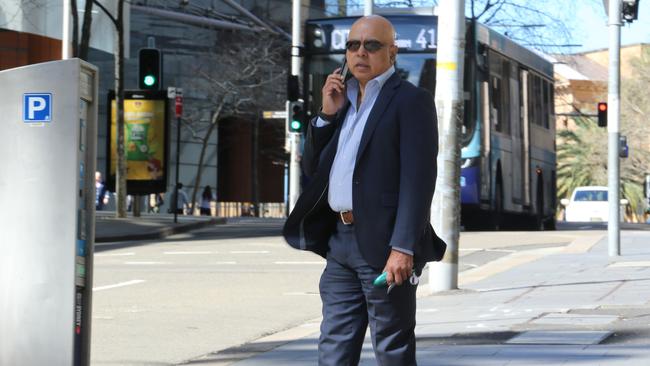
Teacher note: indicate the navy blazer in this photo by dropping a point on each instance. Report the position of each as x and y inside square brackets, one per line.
[393, 180]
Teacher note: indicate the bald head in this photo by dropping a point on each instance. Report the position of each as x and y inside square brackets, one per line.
[368, 62]
[383, 27]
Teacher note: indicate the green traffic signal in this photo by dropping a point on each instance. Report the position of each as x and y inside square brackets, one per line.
[295, 125]
[149, 80]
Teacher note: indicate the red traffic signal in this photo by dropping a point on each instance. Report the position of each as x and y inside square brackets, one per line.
[602, 114]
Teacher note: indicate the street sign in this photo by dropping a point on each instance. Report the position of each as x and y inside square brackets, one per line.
[37, 107]
[179, 106]
[179, 102]
[171, 92]
[274, 114]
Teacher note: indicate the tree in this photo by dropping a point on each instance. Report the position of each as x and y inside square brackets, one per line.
[540, 24]
[80, 47]
[242, 76]
[120, 179]
[582, 155]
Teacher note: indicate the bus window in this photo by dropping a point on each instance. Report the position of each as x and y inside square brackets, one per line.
[546, 115]
[531, 99]
[499, 93]
[538, 100]
[496, 114]
[505, 98]
[552, 92]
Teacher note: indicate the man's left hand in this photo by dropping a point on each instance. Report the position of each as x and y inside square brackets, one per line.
[398, 267]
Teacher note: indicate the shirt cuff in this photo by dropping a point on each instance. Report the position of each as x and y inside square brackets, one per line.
[319, 122]
[402, 250]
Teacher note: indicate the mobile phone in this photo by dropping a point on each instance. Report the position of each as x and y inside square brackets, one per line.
[344, 70]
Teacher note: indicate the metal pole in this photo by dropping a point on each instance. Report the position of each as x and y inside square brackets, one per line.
[613, 127]
[178, 159]
[65, 36]
[294, 163]
[445, 209]
[367, 9]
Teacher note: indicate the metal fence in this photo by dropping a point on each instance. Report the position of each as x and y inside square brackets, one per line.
[238, 209]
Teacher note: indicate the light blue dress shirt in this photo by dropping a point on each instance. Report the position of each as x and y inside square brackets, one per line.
[340, 182]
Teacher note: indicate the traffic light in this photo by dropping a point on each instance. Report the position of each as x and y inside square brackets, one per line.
[296, 117]
[630, 10]
[623, 149]
[602, 114]
[150, 69]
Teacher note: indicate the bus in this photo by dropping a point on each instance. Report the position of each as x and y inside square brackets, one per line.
[507, 138]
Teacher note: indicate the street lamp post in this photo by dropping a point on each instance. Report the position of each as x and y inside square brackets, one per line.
[613, 127]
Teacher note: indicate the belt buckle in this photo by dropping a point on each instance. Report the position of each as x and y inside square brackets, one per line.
[343, 218]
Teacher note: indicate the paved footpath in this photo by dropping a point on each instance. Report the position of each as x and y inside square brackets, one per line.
[569, 305]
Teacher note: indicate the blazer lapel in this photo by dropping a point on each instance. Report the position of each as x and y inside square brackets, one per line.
[384, 97]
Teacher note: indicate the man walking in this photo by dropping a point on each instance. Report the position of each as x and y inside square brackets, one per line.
[101, 193]
[371, 156]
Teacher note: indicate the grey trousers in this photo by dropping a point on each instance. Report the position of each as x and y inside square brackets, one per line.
[351, 303]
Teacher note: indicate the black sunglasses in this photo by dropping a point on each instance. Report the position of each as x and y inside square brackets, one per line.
[370, 45]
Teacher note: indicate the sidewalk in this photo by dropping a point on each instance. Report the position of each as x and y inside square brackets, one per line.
[147, 226]
[552, 306]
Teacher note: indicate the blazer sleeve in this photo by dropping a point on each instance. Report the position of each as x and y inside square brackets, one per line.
[418, 141]
[316, 140]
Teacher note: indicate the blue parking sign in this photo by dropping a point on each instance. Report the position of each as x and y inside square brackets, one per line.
[37, 107]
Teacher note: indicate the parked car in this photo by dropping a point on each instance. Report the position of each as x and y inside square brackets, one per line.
[588, 204]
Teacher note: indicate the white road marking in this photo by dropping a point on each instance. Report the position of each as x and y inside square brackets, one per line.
[249, 252]
[226, 262]
[300, 293]
[146, 263]
[113, 254]
[631, 264]
[196, 252]
[303, 262]
[121, 284]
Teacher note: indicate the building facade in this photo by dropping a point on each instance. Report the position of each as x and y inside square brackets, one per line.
[244, 154]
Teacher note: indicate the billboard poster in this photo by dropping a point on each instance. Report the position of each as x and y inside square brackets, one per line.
[145, 141]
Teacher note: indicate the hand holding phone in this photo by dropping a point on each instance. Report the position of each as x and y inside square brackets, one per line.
[334, 90]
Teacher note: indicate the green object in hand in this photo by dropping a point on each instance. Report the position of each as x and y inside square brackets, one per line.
[381, 280]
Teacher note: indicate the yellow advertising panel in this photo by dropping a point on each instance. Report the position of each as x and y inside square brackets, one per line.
[144, 139]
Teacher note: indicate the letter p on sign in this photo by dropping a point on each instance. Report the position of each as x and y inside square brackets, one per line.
[37, 107]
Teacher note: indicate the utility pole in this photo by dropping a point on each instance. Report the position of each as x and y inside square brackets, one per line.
[367, 9]
[294, 138]
[613, 127]
[445, 210]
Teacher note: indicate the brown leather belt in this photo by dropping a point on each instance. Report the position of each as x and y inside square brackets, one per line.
[346, 217]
